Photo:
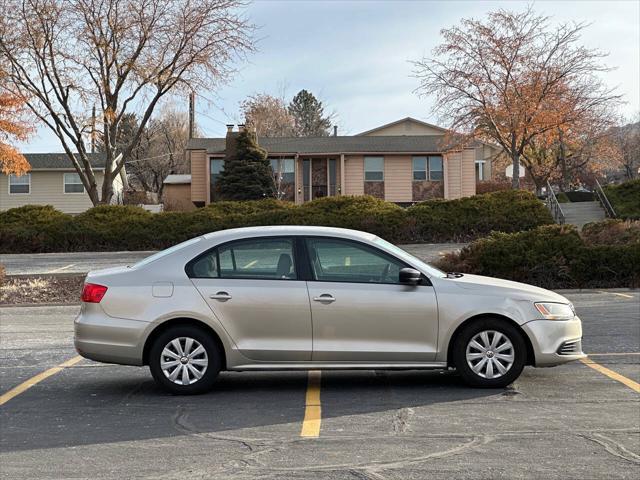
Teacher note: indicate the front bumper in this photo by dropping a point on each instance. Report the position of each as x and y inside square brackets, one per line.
[100, 337]
[550, 338]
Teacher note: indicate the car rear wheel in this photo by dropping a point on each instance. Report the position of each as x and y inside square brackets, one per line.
[489, 353]
[185, 360]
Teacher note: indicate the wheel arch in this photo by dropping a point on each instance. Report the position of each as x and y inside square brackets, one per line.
[183, 321]
[530, 352]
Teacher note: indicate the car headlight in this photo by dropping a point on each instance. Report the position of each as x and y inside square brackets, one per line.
[555, 311]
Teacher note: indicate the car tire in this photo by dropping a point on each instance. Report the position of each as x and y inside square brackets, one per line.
[185, 348]
[489, 353]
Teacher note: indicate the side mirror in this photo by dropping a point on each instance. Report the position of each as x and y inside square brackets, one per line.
[410, 276]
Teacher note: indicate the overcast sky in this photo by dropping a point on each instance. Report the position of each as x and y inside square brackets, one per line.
[355, 56]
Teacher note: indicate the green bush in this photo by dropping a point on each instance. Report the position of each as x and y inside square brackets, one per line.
[117, 227]
[472, 217]
[551, 256]
[625, 199]
[579, 196]
[562, 197]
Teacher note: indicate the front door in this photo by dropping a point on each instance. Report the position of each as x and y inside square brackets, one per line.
[252, 287]
[361, 313]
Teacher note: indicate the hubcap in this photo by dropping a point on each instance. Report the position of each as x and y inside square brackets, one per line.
[490, 354]
[184, 361]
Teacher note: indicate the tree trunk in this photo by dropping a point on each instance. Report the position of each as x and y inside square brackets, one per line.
[515, 181]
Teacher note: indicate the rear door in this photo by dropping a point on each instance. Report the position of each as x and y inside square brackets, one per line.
[361, 312]
[253, 287]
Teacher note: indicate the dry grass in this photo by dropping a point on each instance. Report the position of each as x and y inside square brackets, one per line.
[18, 290]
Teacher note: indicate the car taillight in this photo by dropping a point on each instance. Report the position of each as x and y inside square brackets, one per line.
[93, 293]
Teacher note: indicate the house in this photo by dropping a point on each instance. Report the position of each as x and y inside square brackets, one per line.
[402, 162]
[53, 181]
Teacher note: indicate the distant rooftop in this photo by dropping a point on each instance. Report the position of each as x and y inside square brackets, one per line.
[60, 161]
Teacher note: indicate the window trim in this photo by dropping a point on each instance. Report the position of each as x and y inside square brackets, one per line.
[64, 184]
[297, 259]
[364, 168]
[423, 282]
[9, 184]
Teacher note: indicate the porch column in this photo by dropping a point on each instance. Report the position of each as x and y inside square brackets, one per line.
[341, 174]
[297, 188]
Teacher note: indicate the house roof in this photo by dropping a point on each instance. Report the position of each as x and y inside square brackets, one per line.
[177, 179]
[60, 161]
[402, 120]
[346, 144]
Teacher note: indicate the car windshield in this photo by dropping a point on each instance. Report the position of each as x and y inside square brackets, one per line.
[432, 271]
[166, 252]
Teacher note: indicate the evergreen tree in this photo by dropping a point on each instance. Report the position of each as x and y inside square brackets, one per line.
[308, 115]
[247, 173]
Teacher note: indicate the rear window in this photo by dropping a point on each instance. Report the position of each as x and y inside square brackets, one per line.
[164, 253]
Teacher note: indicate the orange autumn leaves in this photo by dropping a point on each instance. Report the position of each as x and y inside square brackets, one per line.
[13, 127]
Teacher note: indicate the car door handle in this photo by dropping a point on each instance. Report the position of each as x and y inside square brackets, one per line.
[224, 296]
[324, 298]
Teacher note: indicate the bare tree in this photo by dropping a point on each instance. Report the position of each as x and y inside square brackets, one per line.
[123, 56]
[160, 151]
[511, 78]
[625, 140]
[268, 115]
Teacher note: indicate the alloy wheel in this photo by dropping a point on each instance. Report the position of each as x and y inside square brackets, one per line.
[490, 354]
[184, 360]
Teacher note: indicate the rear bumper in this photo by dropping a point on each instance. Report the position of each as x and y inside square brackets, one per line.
[100, 337]
[548, 336]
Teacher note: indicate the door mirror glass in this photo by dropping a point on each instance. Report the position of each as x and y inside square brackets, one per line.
[410, 276]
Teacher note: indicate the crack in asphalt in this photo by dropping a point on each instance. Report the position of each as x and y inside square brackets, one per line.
[612, 447]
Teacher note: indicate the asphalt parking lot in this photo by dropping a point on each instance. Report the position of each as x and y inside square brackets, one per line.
[90, 420]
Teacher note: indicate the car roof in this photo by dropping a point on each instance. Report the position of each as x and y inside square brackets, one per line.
[278, 230]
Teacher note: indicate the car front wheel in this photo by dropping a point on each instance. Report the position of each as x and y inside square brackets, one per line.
[489, 353]
[184, 360]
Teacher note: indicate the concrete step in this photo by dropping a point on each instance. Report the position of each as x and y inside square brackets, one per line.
[581, 213]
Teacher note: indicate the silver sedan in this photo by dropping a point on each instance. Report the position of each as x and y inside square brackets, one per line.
[266, 298]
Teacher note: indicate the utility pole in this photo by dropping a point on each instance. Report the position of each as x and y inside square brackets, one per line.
[192, 108]
[93, 130]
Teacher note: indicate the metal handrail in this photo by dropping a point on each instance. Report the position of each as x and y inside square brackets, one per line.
[604, 201]
[554, 205]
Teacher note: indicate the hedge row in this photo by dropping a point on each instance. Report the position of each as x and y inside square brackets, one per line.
[553, 256]
[625, 199]
[107, 227]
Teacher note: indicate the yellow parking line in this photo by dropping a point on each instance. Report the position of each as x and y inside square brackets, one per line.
[635, 386]
[313, 410]
[14, 392]
[621, 354]
[624, 295]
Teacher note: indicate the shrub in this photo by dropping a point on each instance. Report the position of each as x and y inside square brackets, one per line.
[580, 196]
[471, 217]
[625, 199]
[488, 186]
[551, 256]
[117, 227]
[3, 275]
[562, 197]
[611, 232]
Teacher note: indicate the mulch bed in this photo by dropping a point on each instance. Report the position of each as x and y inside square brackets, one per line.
[35, 289]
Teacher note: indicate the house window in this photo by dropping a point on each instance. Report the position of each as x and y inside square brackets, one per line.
[20, 185]
[427, 168]
[72, 183]
[285, 167]
[420, 168]
[435, 168]
[480, 170]
[373, 169]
